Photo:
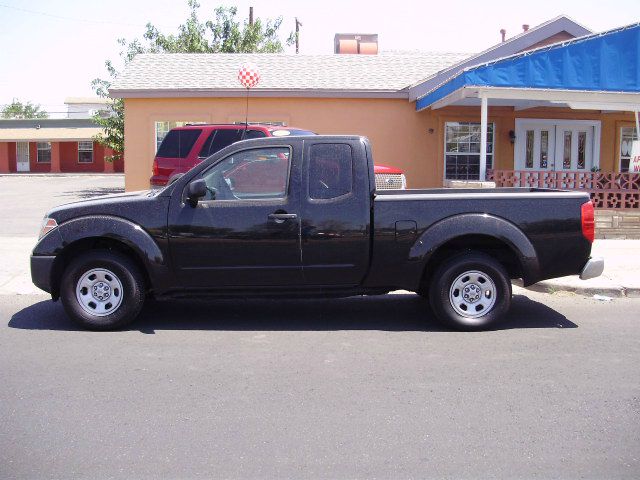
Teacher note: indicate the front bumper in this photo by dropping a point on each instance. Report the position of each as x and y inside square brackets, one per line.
[41, 268]
[593, 268]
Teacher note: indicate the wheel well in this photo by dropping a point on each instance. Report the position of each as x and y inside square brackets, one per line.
[486, 244]
[85, 244]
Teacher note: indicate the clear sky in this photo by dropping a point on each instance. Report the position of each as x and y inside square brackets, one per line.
[53, 49]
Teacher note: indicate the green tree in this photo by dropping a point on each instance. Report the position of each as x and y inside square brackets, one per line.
[223, 34]
[17, 109]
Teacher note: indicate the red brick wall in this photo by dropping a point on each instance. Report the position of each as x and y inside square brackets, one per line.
[7, 157]
[34, 166]
[69, 158]
[12, 157]
[118, 165]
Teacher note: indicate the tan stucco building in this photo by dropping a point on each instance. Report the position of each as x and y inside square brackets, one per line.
[383, 97]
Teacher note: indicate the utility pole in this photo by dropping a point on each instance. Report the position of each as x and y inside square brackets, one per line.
[251, 16]
[298, 25]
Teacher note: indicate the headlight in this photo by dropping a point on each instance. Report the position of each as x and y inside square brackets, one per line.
[48, 224]
[404, 182]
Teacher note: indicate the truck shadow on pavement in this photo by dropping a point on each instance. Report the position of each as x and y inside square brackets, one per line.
[399, 312]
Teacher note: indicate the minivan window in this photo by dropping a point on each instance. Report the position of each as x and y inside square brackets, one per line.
[330, 171]
[218, 139]
[254, 134]
[178, 143]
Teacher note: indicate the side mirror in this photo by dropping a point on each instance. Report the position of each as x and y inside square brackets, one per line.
[195, 191]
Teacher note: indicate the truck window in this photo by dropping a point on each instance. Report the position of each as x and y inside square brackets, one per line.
[218, 139]
[178, 143]
[260, 173]
[330, 171]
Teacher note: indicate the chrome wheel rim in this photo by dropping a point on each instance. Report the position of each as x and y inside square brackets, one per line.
[472, 294]
[99, 292]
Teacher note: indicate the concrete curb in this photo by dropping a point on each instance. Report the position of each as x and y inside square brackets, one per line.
[616, 291]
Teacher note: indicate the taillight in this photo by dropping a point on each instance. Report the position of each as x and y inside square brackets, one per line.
[155, 167]
[588, 221]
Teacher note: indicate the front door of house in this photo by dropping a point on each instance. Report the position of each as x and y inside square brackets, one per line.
[558, 145]
[22, 156]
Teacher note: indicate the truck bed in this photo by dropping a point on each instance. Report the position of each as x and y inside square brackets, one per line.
[550, 220]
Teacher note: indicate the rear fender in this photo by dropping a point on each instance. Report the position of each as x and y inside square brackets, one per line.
[478, 224]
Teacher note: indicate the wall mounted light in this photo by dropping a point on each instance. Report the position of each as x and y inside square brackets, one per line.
[512, 136]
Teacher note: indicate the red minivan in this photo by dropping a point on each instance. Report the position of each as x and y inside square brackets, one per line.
[185, 147]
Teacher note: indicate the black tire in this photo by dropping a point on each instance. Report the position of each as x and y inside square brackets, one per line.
[130, 299]
[488, 281]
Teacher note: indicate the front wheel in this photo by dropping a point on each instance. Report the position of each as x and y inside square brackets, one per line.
[470, 291]
[102, 290]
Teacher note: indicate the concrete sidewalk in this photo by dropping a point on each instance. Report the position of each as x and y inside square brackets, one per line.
[621, 275]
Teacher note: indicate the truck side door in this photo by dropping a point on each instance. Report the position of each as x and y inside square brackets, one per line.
[335, 212]
[246, 231]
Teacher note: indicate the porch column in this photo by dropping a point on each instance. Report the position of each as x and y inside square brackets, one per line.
[108, 166]
[4, 157]
[483, 138]
[55, 157]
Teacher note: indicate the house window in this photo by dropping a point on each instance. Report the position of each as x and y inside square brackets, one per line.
[162, 128]
[85, 152]
[627, 136]
[462, 150]
[44, 152]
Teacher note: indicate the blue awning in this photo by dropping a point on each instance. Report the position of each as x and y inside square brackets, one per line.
[605, 62]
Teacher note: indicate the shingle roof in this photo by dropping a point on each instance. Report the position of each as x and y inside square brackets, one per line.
[207, 74]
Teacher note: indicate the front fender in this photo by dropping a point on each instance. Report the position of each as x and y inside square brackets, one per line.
[477, 224]
[109, 227]
[102, 226]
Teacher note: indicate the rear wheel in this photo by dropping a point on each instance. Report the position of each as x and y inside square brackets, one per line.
[102, 290]
[471, 291]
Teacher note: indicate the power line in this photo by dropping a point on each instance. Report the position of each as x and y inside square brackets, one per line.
[72, 19]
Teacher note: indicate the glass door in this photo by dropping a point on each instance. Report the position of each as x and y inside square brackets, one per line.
[22, 156]
[537, 149]
[558, 145]
[574, 148]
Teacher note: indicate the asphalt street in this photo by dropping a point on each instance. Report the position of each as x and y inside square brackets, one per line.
[351, 388]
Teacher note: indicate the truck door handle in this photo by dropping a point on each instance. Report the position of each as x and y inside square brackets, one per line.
[281, 217]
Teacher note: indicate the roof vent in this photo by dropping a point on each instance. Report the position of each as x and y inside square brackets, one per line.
[356, 43]
[503, 32]
[525, 27]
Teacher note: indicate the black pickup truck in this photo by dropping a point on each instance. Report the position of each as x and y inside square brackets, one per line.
[300, 217]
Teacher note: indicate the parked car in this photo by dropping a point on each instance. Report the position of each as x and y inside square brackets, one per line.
[301, 216]
[185, 147]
